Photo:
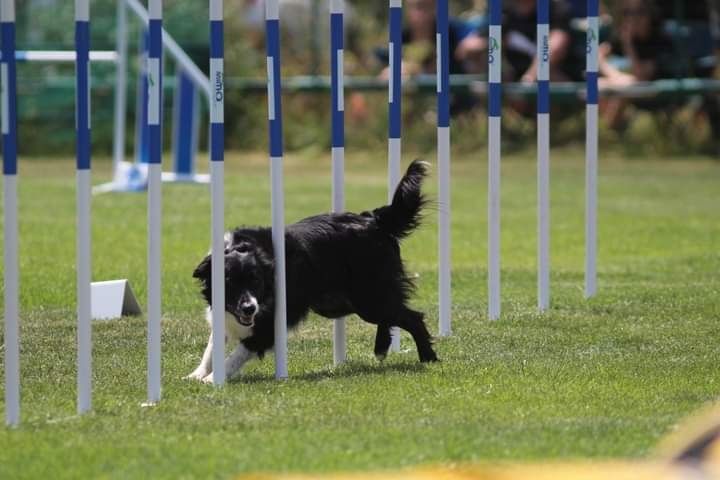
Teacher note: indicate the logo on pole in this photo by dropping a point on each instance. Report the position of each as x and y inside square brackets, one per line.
[493, 49]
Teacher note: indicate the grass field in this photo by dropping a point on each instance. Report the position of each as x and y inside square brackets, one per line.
[589, 379]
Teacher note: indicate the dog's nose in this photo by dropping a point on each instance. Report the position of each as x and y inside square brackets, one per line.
[248, 309]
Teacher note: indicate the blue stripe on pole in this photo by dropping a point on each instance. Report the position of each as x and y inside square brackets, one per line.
[337, 44]
[217, 145]
[543, 99]
[273, 52]
[592, 88]
[444, 74]
[185, 133]
[495, 12]
[155, 135]
[495, 100]
[9, 145]
[395, 129]
[155, 29]
[82, 49]
[593, 8]
[216, 39]
[543, 11]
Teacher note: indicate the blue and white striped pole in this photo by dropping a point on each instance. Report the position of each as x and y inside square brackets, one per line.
[10, 213]
[591, 150]
[272, 41]
[494, 120]
[337, 20]
[217, 185]
[84, 271]
[543, 145]
[395, 113]
[443, 151]
[154, 119]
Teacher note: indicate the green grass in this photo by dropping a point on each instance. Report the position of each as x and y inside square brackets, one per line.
[590, 379]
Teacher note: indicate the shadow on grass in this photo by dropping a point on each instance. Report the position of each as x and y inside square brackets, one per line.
[347, 370]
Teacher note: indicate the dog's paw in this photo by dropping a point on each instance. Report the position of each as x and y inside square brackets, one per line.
[207, 379]
[196, 375]
[381, 357]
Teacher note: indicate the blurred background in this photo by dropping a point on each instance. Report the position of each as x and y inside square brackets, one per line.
[658, 66]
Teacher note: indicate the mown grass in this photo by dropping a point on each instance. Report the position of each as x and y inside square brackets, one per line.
[591, 379]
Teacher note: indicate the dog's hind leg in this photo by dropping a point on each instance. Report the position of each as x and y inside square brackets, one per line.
[382, 341]
[205, 366]
[412, 321]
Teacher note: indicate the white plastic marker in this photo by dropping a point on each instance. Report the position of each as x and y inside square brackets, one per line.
[272, 41]
[443, 152]
[154, 119]
[10, 213]
[591, 150]
[337, 14]
[84, 271]
[494, 119]
[543, 159]
[217, 185]
[395, 113]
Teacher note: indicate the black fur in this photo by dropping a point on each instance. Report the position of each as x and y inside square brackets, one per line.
[336, 265]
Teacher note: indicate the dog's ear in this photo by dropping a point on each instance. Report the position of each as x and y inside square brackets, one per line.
[203, 270]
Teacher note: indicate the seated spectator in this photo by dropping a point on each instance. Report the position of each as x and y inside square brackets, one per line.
[642, 41]
[520, 32]
[467, 47]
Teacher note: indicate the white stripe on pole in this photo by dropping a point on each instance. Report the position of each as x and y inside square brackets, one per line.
[591, 169]
[494, 219]
[7, 10]
[120, 87]
[217, 172]
[12, 346]
[278, 229]
[154, 281]
[394, 149]
[543, 180]
[84, 278]
[338, 205]
[444, 230]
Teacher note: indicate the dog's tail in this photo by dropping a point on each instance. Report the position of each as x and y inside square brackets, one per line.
[403, 215]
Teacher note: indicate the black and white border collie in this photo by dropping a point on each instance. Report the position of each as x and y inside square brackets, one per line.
[337, 264]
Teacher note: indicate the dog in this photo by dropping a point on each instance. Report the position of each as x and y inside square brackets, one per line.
[336, 264]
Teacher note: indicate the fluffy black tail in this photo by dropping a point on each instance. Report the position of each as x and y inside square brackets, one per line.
[403, 215]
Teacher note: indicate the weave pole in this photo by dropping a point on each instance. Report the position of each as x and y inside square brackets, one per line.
[10, 213]
[591, 150]
[442, 55]
[217, 185]
[83, 174]
[272, 42]
[154, 119]
[494, 120]
[543, 153]
[395, 114]
[337, 34]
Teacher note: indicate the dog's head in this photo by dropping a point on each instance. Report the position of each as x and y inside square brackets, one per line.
[248, 281]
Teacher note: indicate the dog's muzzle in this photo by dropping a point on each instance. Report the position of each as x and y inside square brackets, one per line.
[245, 312]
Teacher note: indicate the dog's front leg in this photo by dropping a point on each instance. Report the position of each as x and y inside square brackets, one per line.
[234, 363]
[205, 366]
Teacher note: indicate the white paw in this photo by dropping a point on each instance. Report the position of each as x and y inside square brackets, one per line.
[196, 375]
[208, 379]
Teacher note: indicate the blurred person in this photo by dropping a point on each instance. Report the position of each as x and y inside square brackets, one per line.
[467, 47]
[519, 25]
[642, 41]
